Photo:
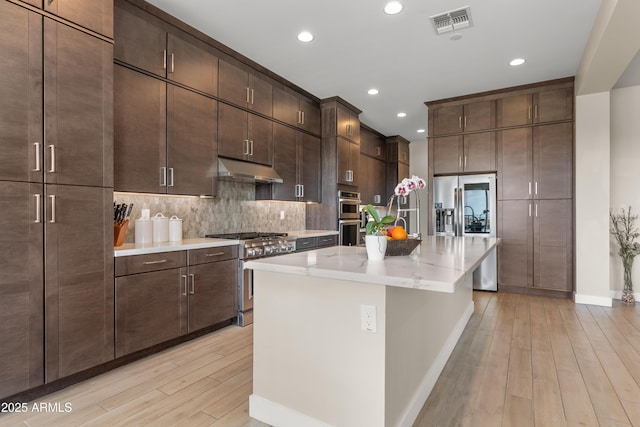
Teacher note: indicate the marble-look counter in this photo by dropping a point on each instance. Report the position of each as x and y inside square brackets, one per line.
[128, 249]
[438, 264]
[312, 233]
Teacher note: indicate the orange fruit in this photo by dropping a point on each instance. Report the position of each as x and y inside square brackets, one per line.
[398, 233]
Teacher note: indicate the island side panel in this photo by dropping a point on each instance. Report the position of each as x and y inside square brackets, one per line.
[313, 365]
[422, 329]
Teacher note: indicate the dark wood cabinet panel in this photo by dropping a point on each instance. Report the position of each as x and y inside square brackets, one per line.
[475, 116]
[310, 111]
[244, 136]
[552, 161]
[348, 123]
[553, 105]
[479, 116]
[309, 162]
[285, 162]
[245, 89]
[212, 293]
[21, 287]
[78, 100]
[138, 41]
[446, 120]
[447, 154]
[372, 181]
[139, 131]
[514, 110]
[191, 64]
[20, 94]
[260, 135]
[373, 144]
[514, 163]
[96, 15]
[79, 278]
[553, 237]
[191, 143]
[296, 110]
[348, 162]
[150, 308]
[479, 152]
[515, 252]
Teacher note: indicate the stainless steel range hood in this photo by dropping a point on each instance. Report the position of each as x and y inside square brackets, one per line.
[247, 172]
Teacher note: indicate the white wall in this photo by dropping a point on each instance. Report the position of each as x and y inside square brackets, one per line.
[419, 165]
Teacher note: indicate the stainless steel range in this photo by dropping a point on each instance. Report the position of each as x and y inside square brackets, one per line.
[255, 245]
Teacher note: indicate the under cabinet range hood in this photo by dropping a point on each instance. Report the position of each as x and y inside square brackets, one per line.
[245, 171]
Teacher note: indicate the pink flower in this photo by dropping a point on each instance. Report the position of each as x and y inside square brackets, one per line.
[401, 190]
[419, 182]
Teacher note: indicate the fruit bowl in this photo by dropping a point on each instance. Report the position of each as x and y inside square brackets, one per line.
[401, 247]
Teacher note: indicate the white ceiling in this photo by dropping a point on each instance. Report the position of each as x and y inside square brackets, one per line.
[357, 47]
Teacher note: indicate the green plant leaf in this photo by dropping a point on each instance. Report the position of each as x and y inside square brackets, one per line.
[388, 219]
[373, 213]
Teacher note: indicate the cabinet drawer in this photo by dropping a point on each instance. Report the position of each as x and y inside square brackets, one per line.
[150, 262]
[220, 253]
[306, 243]
[324, 241]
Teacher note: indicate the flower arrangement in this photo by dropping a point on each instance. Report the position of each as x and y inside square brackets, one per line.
[404, 187]
[376, 225]
[623, 228]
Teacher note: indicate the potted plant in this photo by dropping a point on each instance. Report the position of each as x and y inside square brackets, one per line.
[625, 232]
[376, 239]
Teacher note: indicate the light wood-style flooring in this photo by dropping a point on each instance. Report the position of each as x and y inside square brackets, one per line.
[521, 361]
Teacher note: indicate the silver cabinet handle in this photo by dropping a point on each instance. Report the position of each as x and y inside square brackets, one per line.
[536, 188]
[349, 130]
[459, 162]
[192, 290]
[215, 254]
[37, 150]
[173, 63]
[529, 209]
[529, 114]
[164, 59]
[303, 117]
[246, 147]
[171, 174]
[301, 190]
[460, 122]
[251, 96]
[378, 151]
[160, 261]
[535, 112]
[247, 95]
[52, 152]
[377, 198]
[465, 122]
[53, 209]
[297, 191]
[251, 148]
[465, 162]
[529, 187]
[536, 210]
[38, 219]
[163, 175]
[184, 292]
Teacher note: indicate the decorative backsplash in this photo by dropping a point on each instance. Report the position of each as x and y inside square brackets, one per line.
[234, 210]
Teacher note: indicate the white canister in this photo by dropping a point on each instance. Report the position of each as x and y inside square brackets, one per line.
[143, 231]
[160, 228]
[175, 229]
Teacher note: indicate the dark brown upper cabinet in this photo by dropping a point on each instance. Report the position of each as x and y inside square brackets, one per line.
[245, 88]
[348, 122]
[146, 43]
[95, 15]
[372, 144]
[475, 152]
[540, 107]
[296, 110]
[470, 117]
[244, 136]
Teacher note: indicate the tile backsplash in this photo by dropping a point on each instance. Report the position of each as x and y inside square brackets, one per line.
[235, 209]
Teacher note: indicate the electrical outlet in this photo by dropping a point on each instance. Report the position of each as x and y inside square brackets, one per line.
[368, 318]
[281, 214]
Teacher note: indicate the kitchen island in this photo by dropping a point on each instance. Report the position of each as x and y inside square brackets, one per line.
[343, 341]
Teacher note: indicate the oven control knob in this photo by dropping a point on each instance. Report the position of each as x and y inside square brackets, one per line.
[250, 252]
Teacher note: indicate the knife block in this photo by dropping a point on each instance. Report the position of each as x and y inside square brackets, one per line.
[119, 232]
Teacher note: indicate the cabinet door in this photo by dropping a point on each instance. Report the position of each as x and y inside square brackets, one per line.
[21, 287]
[447, 154]
[309, 166]
[79, 281]
[348, 123]
[78, 100]
[260, 135]
[515, 257]
[552, 161]
[96, 15]
[553, 238]
[479, 152]
[139, 132]
[311, 115]
[344, 170]
[515, 164]
[233, 83]
[514, 111]
[232, 132]
[366, 174]
[192, 65]
[552, 105]
[285, 106]
[191, 137]
[378, 182]
[285, 162]
[212, 293]
[260, 95]
[354, 163]
[479, 116]
[139, 42]
[20, 94]
[447, 120]
[151, 308]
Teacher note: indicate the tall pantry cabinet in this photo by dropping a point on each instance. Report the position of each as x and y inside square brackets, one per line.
[56, 253]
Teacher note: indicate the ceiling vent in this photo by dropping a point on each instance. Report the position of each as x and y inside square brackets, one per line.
[453, 20]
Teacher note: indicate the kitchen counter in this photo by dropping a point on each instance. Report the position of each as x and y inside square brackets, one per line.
[312, 233]
[358, 342]
[128, 249]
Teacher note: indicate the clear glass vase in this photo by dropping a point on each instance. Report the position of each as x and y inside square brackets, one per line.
[627, 291]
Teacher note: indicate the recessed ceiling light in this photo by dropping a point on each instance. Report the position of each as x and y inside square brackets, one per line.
[393, 8]
[421, 131]
[402, 114]
[456, 36]
[516, 62]
[305, 36]
[373, 91]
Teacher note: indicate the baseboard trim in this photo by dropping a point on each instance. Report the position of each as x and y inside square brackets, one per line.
[592, 300]
[431, 377]
[275, 414]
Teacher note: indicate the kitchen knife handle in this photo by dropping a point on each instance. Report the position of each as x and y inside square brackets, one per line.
[53, 209]
[38, 219]
[171, 173]
[184, 277]
[52, 151]
[192, 291]
[163, 173]
[37, 150]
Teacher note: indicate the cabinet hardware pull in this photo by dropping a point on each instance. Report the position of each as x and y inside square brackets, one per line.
[52, 152]
[173, 64]
[163, 174]
[459, 122]
[465, 162]
[246, 147]
[171, 173]
[164, 59]
[298, 117]
[192, 291]
[247, 95]
[215, 254]
[36, 145]
[535, 112]
[529, 113]
[536, 210]
[301, 190]
[459, 162]
[529, 187]
[303, 117]
[529, 209]
[53, 209]
[160, 261]
[348, 130]
[377, 198]
[379, 151]
[251, 96]
[251, 148]
[536, 188]
[465, 122]
[297, 190]
[184, 277]
[37, 220]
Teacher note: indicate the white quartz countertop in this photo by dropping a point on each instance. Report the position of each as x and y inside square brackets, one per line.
[128, 249]
[312, 233]
[438, 264]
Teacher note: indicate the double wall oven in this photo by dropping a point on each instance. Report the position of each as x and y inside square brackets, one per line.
[255, 245]
[349, 222]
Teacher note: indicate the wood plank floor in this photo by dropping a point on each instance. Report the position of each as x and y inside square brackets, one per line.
[521, 361]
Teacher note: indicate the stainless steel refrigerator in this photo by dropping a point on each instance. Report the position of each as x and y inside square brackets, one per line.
[465, 205]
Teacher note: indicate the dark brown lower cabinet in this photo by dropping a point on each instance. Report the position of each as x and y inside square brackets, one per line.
[536, 249]
[212, 293]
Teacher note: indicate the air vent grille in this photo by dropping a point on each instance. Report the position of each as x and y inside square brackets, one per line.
[452, 20]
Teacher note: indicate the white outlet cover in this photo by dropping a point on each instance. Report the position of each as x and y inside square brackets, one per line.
[368, 318]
